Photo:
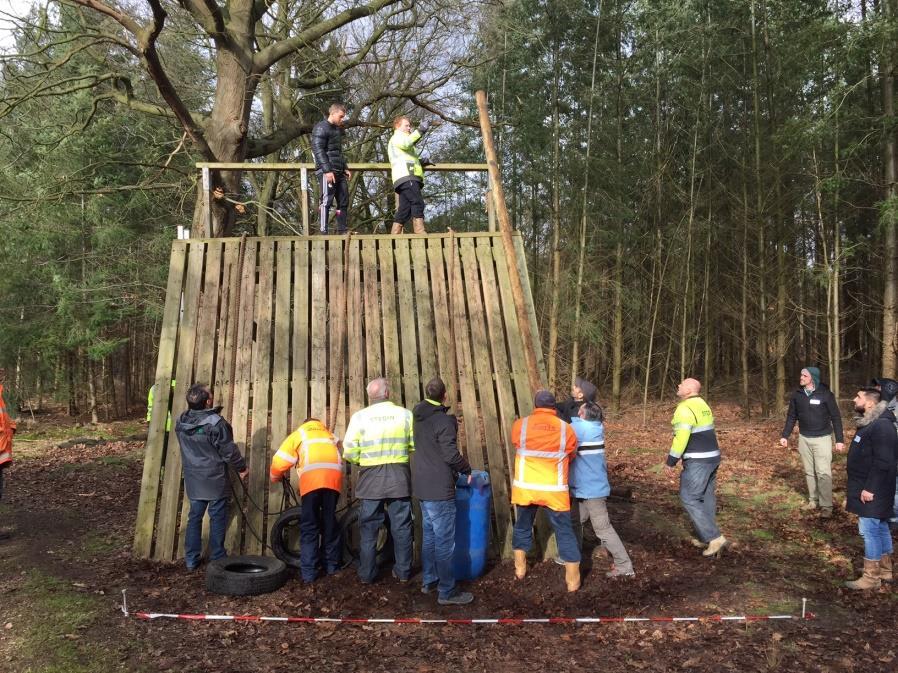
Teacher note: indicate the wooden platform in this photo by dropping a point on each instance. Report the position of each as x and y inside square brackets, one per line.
[261, 321]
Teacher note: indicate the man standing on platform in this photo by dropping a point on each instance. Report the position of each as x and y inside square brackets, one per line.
[814, 407]
[544, 445]
[207, 448]
[312, 448]
[330, 167]
[379, 439]
[407, 173]
[695, 442]
[437, 462]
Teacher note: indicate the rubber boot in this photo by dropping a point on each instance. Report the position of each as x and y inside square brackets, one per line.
[885, 568]
[870, 578]
[418, 224]
[397, 228]
[572, 576]
[520, 564]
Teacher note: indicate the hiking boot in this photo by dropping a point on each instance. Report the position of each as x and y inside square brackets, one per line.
[429, 588]
[418, 225]
[715, 546]
[572, 576]
[520, 564]
[396, 228]
[401, 580]
[869, 579]
[617, 572]
[457, 598]
[826, 513]
[885, 568]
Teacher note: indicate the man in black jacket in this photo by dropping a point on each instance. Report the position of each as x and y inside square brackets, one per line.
[207, 448]
[330, 167]
[434, 469]
[871, 485]
[817, 413]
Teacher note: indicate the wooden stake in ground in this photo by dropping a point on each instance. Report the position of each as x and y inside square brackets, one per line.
[517, 289]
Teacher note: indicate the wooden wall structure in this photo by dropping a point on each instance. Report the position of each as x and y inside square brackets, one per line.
[291, 327]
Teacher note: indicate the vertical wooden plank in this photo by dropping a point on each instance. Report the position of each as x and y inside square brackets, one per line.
[301, 334]
[156, 435]
[319, 330]
[242, 381]
[409, 352]
[528, 298]
[258, 459]
[169, 506]
[355, 336]
[224, 363]
[468, 414]
[373, 322]
[523, 393]
[492, 435]
[388, 308]
[338, 328]
[281, 365]
[439, 283]
[425, 313]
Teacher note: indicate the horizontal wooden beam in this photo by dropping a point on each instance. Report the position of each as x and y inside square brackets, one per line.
[353, 167]
[369, 237]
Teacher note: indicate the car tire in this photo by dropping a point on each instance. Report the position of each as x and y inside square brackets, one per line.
[245, 575]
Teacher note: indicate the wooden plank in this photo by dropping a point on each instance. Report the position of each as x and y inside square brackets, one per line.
[369, 166]
[319, 328]
[242, 381]
[301, 335]
[156, 435]
[425, 314]
[224, 363]
[373, 321]
[488, 410]
[338, 328]
[280, 375]
[169, 504]
[411, 389]
[258, 458]
[356, 336]
[522, 391]
[468, 414]
[391, 369]
[528, 298]
[445, 352]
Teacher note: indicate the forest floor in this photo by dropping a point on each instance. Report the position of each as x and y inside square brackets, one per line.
[71, 513]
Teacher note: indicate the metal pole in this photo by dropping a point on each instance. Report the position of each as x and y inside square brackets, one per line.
[517, 288]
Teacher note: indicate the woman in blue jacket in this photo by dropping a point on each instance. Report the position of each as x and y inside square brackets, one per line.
[589, 485]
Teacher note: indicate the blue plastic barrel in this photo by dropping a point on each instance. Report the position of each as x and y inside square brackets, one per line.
[472, 525]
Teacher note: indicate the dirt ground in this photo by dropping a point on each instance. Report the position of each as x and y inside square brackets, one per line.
[71, 512]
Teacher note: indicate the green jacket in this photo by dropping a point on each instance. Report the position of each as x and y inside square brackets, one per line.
[150, 396]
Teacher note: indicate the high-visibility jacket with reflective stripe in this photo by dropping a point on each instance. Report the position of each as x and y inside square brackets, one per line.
[544, 444]
[380, 434]
[589, 475]
[405, 164]
[7, 427]
[313, 450]
[694, 436]
[150, 397]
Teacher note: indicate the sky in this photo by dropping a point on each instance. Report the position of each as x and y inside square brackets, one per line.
[15, 8]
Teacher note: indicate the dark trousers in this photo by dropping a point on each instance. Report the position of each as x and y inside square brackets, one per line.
[698, 483]
[338, 191]
[411, 203]
[2, 470]
[218, 524]
[319, 534]
[371, 518]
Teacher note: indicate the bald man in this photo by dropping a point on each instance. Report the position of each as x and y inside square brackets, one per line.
[695, 443]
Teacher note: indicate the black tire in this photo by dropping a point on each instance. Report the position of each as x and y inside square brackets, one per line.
[285, 536]
[245, 575]
[349, 531]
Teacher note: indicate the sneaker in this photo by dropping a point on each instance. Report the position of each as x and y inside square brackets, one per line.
[401, 580]
[826, 513]
[429, 588]
[457, 598]
[808, 506]
[617, 572]
[558, 561]
[695, 542]
[716, 546]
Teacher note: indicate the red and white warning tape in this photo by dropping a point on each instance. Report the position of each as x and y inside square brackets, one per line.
[490, 620]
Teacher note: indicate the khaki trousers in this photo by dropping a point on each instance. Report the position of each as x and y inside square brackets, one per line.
[817, 458]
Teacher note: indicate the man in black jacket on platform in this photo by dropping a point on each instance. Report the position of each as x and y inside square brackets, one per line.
[434, 468]
[871, 485]
[330, 167]
[817, 413]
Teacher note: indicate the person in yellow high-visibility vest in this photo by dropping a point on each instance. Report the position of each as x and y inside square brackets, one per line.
[407, 172]
[379, 440]
[150, 396]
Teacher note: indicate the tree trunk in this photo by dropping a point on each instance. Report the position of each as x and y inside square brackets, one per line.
[556, 221]
[889, 218]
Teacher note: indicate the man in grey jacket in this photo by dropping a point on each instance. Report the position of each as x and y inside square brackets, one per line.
[207, 448]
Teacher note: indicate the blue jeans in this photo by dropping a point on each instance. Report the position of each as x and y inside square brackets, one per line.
[522, 538]
[218, 524]
[698, 481]
[895, 505]
[371, 518]
[877, 537]
[438, 544]
[319, 534]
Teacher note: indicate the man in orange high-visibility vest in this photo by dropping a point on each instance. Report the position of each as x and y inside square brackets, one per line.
[7, 427]
[314, 451]
[544, 446]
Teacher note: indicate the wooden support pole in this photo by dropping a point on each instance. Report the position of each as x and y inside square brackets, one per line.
[304, 195]
[517, 289]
